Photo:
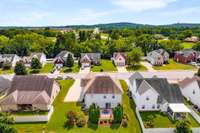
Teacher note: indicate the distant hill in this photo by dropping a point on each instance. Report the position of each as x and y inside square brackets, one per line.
[113, 26]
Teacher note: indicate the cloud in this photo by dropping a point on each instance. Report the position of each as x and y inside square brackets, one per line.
[142, 5]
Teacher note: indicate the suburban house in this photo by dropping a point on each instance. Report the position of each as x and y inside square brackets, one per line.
[101, 90]
[193, 39]
[156, 94]
[190, 88]
[186, 56]
[30, 93]
[87, 59]
[61, 58]
[11, 58]
[40, 56]
[158, 57]
[119, 59]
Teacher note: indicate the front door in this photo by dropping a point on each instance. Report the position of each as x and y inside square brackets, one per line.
[108, 105]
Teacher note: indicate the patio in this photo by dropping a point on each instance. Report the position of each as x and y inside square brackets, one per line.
[178, 111]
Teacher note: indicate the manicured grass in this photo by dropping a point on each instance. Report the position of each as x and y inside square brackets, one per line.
[189, 104]
[106, 66]
[10, 71]
[56, 123]
[174, 66]
[74, 69]
[187, 45]
[47, 68]
[136, 68]
[162, 120]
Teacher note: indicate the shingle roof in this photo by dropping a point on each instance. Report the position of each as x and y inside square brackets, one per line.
[38, 55]
[63, 53]
[102, 84]
[29, 89]
[169, 92]
[134, 76]
[4, 84]
[94, 57]
[188, 81]
[117, 54]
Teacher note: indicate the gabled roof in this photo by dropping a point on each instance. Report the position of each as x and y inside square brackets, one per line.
[188, 81]
[187, 52]
[4, 84]
[94, 57]
[134, 76]
[102, 84]
[37, 55]
[29, 89]
[64, 53]
[116, 55]
[8, 57]
[169, 92]
[158, 52]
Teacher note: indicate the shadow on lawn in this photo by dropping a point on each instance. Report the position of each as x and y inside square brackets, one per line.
[92, 126]
[67, 70]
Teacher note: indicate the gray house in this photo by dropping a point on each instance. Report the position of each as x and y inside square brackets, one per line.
[158, 57]
[90, 58]
[61, 58]
[11, 58]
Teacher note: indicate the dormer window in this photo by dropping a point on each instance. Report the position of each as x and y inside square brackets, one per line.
[153, 107]
[113, 97]
[147, 98]
[193, 92]
[104, 97]
[143, 106]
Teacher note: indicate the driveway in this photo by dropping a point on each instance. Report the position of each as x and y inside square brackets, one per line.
[74, 93]
[148, 66]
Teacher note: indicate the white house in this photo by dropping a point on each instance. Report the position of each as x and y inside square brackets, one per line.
[190, 88]
[101, 90]
[158, 57]
[119, 59]
[87, 59]
[40, 56]
[11, 58]
[60, 59]
[156, 94]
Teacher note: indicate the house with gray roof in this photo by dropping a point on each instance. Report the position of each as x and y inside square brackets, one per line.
[87, 59]
[101, 90]
[4, 85]
[40, 56]
[158, 57]
[61, 58]
[190, 88]
[30, 93]
[156, 94]
[11, 58]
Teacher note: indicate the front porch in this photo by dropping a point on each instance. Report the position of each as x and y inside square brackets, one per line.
[178, 111]
[106, 117]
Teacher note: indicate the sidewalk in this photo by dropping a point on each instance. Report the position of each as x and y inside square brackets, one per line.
[148, 66]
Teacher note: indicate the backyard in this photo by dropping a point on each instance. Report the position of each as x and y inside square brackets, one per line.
[162, 120]
[174, 66]
[56, 123]
[106, 66]
[187, 45]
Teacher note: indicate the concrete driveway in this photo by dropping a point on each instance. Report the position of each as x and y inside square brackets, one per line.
[148, 66]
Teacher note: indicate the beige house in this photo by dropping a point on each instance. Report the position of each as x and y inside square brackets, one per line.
[30, 93]
[119, 59]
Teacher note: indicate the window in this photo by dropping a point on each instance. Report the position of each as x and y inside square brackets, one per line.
[147, 98]
[113, 97]
[104, 97]
[158, 106]
[153, 107]
[143, 106]
[193, 92]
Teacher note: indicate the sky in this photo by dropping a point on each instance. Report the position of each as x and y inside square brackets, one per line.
[77, 12]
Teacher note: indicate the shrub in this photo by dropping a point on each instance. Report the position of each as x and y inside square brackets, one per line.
[20, 69]
[71, 118]
[6, 65]
[101, 70]
[81, 121]
[118, 114]
[183, 127]
[124, 122]
[35, 64]
[94, 114]
[34, 71]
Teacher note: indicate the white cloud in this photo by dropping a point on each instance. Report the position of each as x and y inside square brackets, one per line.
[142, 5]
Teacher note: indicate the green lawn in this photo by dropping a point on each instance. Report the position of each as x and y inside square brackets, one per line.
[162, 120]
[189, 104]
[106, 66]
[174, 66]
[137, 68]
[187, 45]
[56, 123]
[74, 69]
[47, 68]
[10, 71]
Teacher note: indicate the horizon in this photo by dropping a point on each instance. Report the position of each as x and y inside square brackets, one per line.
[40, 13]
